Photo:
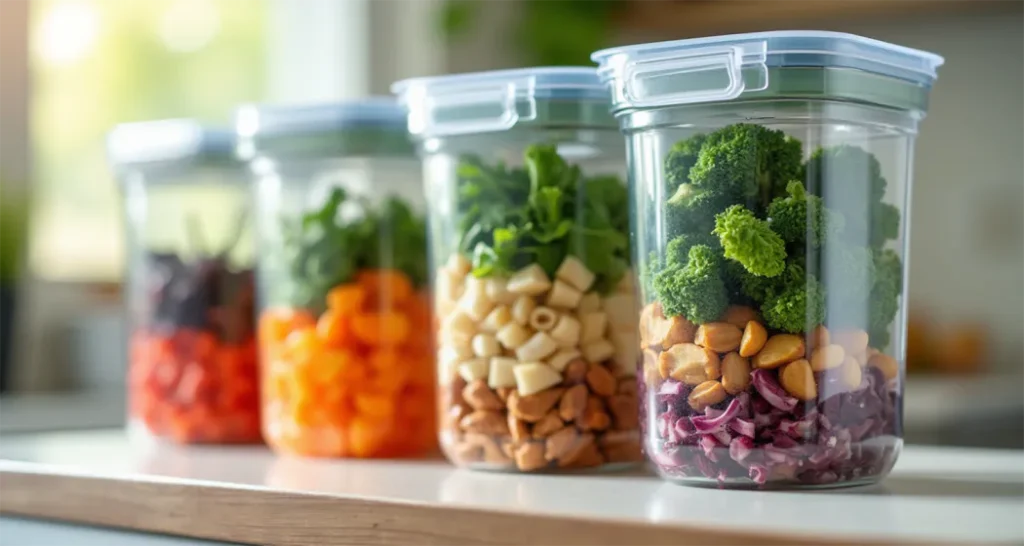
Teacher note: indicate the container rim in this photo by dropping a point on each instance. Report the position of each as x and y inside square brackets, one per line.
[167, 142]
[584, 80]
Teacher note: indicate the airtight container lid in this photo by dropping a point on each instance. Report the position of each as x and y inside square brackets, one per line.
[169, 145]
[483, 102]
[366, 127]
[768, 64]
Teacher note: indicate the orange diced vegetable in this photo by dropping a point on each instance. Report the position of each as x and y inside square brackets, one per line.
[346, 299]
[380, 329]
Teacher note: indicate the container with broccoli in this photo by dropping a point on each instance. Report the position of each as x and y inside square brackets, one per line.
[533, 285]
[769, 177]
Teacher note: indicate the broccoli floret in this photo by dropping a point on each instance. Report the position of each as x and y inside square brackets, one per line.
[694, 290]
[692, 210]
[885, 224]
[801, 218]
[746, 161]
[797, 307]
[678, 249]
[885, 293]
[749, 241]
[680, 158]
[846, 172]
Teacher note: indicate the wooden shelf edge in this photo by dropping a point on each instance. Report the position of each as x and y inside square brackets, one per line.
[691, 18]
[278, 518]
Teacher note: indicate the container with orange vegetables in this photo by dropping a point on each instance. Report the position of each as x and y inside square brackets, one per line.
[347, 364]
[192, 375]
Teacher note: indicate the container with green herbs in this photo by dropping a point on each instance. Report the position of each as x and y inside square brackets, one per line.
[347, 361]
[533, 284]
[770, 175]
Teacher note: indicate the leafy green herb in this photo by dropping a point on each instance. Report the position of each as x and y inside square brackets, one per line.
[541, 213]
[324, 248]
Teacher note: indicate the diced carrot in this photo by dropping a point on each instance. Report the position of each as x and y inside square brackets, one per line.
[302, 345]
[333, 328]
[334, 367]
[276, 324]
[306, 410]
[375, 405]
[390, 287]
[380, 329]
[366, 436]
[346, 299]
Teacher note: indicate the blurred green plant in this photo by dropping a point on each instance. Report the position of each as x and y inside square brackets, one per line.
[13, 223]
[550, 32]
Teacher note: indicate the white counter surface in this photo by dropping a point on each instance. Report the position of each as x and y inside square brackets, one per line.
[933, 495]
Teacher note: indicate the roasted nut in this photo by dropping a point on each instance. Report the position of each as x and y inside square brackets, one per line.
[850, 373]
[720, 337]
[530, 456]
[666, 332]
[594, 420]
[454, 415]
[573, 402]
[575, 372]
[623, 452]
[651, 372]
[753, 340]
[798, 380]
[463, 452]
[735, 373]
[854, 341]
[587, 457]
[706, 394]
[583, 443]
[485, 422]
[508, 448]
[547, 426]
[518, 428]
[503, 393]
[827, 357]
[819, 337]
[624, 410]
[534, 407]
[601, 381]
[739, 316]
[688, 363]
[560, 443]
[478, 395]
[886, 364]
[644, 326]
[491, 450]
[778, 350]
[627, 385]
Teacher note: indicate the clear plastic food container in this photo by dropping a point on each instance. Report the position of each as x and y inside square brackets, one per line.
[770, 176]
[533, 287]
[347, 360]
[192, 367]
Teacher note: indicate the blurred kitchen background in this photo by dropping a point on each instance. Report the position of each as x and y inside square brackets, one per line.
[70, 69]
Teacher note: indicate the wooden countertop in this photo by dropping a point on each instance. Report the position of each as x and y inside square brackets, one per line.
[248, 495]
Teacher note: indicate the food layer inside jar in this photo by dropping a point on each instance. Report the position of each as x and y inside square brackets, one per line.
[537, 341]
[192, 374]
[348, 361]
[743, 381]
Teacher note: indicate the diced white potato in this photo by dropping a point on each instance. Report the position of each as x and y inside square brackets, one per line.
[598, 351]
[563, 295]
[543, 318]
[537, 348]
[474, 300]
[562, 358]
[474, 369]
[485, 345]
[498, 317]
[575, 273]
[589, 303]
[522, 309]
[460, 322]
[513, 335]
[566, 331]
[448, 364]
[593, 326]
[447, 286]
[501, 374]
[458, 265]
[622, 310]
[530, 280]
[497, 289]
[534, 377]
